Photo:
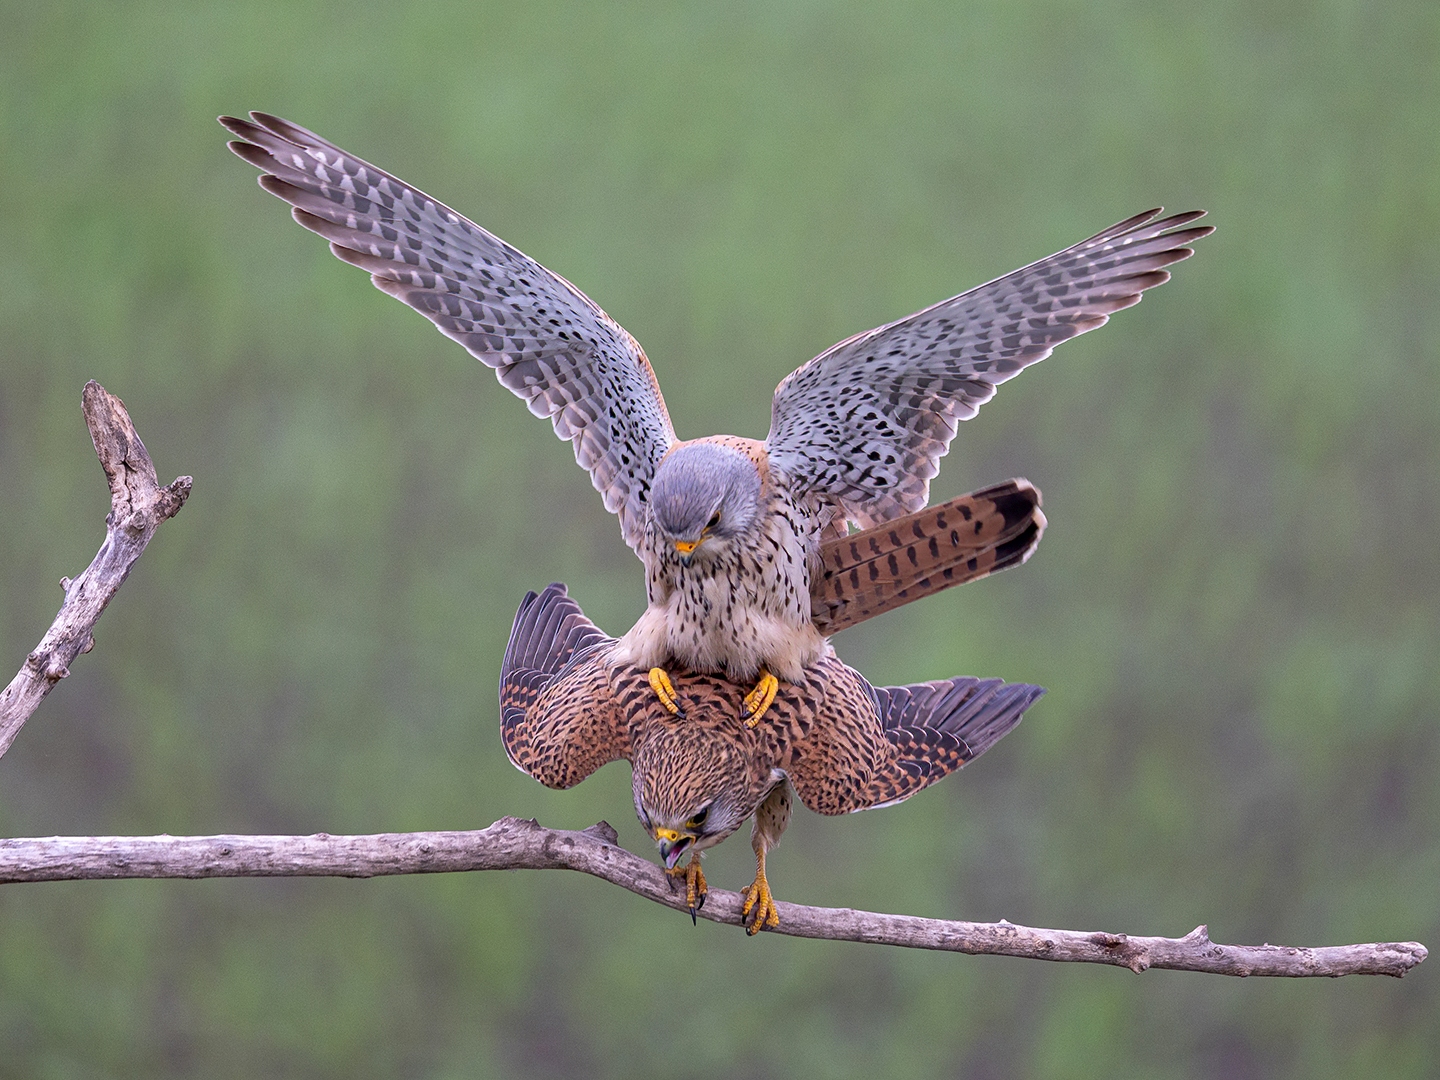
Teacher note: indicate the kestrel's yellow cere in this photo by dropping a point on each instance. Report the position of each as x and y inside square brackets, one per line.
[566, 709]
[729, 529]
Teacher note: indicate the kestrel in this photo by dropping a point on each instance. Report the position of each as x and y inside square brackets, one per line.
[843, 745]
[729, 529]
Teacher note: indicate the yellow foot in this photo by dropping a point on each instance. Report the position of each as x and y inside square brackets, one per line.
[695, 887]
[761, 698]
[665, 691]
[759, 900]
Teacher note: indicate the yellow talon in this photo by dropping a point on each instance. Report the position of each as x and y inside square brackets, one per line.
[664, 690]
[759, 699]
[695, 887]
[759, 899]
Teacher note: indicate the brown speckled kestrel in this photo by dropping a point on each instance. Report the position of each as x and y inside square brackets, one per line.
[567, 707]
[729, 529]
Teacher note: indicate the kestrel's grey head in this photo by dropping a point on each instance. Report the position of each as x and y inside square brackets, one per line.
[703, 491]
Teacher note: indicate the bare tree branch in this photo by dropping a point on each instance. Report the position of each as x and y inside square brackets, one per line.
[137, 506]
[514, 844]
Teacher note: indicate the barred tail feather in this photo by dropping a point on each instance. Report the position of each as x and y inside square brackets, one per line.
[888, 566]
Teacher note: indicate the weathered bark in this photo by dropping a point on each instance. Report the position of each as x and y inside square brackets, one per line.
[513, 844]
[137, 506]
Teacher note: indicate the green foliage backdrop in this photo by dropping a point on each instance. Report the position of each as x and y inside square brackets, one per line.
[1235, 607]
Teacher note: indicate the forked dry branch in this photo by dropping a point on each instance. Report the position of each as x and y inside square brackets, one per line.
[139, 504]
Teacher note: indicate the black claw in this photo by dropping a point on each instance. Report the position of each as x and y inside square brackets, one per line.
[701, 904]
[693, 920]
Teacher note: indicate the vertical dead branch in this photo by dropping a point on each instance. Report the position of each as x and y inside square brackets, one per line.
[137, 506]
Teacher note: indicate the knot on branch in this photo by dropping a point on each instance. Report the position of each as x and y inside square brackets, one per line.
[45, 664]
[168, 500]
[603, 831]
[516, 823]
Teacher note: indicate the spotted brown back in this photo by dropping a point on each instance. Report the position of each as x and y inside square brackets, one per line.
[567, 709]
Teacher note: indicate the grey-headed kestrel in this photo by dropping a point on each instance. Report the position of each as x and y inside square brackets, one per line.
[729, 529]
[843, 745]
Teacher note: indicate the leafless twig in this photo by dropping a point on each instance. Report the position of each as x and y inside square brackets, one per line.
[137, 506]
[513, 844]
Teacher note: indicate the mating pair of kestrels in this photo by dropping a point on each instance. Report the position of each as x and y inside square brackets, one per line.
[726, 693]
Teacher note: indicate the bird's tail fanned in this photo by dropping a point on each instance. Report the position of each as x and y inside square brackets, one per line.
[968, 538]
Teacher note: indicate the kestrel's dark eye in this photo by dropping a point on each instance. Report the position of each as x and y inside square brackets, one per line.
[698, 820]
[714, 520]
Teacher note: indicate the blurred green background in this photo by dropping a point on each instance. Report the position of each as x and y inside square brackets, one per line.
[1235, 607]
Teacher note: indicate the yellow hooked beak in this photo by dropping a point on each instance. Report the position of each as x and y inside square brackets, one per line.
[686, 548]
[673, 844]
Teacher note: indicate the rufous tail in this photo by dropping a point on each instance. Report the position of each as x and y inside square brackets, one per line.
[868, 573]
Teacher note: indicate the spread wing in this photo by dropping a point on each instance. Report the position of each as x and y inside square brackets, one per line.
[547, 341]
[876, 746]
[885, 567]
[865, 423]
[559, 720]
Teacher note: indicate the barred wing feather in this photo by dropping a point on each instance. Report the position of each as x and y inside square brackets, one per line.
[865, 423]
[547, 341]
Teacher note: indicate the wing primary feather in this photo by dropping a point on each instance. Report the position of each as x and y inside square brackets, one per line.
[934, 728]
[547, 341]
[864, 424]
[549, 629]
[558, 720]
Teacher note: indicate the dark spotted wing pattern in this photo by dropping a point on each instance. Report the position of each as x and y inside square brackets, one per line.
[559, 719]
[868, 573]
[866, 422]
[547, 341]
